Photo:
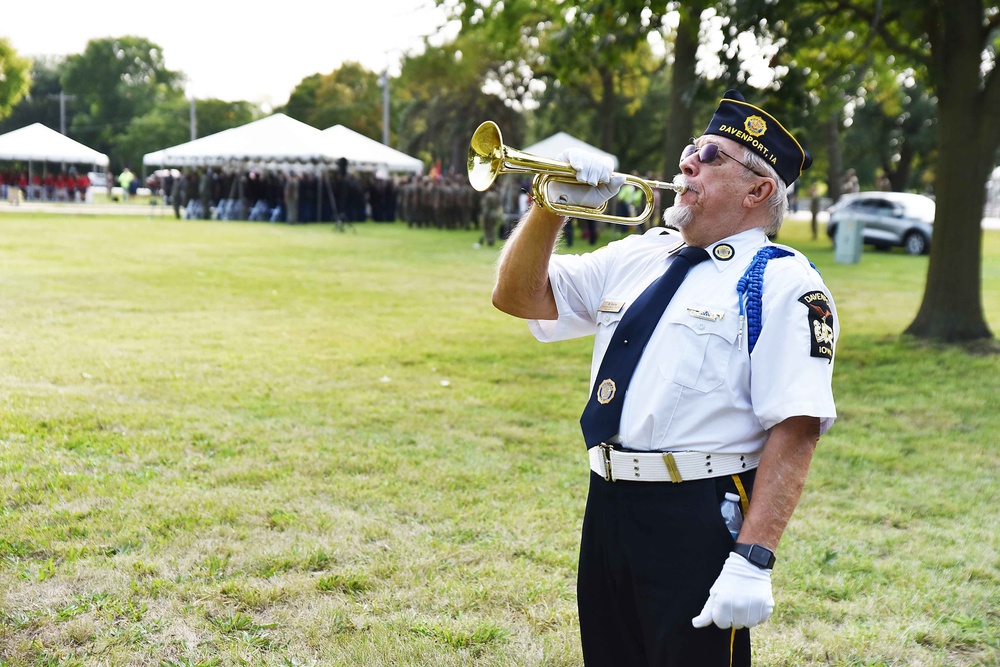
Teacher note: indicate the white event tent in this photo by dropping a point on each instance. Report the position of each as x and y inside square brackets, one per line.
[280, 141]
[275, 139]
[367, 154]
[560, 141]
[38, 143]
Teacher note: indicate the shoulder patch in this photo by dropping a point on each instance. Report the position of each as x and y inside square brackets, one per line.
[820, 324]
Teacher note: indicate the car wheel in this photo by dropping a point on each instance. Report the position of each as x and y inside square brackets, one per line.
[915, 243]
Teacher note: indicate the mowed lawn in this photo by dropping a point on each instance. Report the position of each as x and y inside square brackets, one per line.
[255, 444]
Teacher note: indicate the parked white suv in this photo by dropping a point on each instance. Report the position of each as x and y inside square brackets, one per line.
[890, 219]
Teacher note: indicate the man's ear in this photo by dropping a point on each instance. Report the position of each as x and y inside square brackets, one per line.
[760, 194]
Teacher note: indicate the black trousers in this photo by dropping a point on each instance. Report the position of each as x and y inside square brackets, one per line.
[648, 555]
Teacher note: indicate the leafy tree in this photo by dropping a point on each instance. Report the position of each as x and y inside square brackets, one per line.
[950, 49]
[894, 133]
[566, 109]
[599, 72]
[441, 100]
[954, 44]
[215, 115]
[40, 104]
[349, 96]
[599, 48]
[303, 99]
[590, 51]
[115, 81]
[15, 77]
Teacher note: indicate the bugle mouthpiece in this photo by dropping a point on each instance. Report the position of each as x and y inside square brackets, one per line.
[676, 187]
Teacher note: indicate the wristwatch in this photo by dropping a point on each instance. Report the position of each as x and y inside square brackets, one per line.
[758, 555]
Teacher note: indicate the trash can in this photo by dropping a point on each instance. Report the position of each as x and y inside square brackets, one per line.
[848, 241]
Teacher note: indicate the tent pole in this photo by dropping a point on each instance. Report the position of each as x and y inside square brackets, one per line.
[333, 200]
[319, 195]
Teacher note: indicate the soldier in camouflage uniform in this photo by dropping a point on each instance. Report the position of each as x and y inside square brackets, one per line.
[490, 215]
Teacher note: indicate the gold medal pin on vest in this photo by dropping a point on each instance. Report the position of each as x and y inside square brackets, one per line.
[605, 391]
[706, 314]
[611, 306]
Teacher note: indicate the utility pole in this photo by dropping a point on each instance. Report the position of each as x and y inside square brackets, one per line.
[383, 81]
[62, 109]
[194, 121]
[62, 114]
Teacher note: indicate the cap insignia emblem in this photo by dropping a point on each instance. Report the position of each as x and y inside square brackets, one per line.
[755, 126]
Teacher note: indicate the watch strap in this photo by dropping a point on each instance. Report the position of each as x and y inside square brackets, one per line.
[758, 555]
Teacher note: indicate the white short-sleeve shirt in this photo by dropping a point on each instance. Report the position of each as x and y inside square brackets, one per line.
[697, 388]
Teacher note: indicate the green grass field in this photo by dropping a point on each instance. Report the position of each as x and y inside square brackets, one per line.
[254, 444]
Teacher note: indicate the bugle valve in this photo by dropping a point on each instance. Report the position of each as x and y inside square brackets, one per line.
[489, 157]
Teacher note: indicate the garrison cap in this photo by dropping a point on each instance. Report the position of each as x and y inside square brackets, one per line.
[761, 133]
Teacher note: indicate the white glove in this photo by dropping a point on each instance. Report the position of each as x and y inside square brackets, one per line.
[739, 598]
[592, 169]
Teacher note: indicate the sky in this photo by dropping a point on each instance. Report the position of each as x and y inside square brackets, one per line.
[250, 50]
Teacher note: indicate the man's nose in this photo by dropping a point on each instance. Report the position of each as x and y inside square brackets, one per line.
[690, 165]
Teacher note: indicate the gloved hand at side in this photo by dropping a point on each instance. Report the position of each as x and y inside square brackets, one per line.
[740, 598]
[594, 171]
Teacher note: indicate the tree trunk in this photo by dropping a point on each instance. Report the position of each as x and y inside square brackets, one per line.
[900, 176]
[835, 166]
[683, 88]
[952, 309]
[609, 100]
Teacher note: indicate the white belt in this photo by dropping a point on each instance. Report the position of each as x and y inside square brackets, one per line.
[615, 465]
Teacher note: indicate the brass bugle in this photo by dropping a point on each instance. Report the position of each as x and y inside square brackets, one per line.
[489, 157]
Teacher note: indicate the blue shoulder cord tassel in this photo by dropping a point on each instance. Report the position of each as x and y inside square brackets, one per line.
[751, 289]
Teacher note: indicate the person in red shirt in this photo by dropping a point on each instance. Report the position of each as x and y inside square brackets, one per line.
[61, 183]
[82, 183]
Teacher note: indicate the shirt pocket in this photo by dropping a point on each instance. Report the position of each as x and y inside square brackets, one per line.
[701, 349]
[607, 324]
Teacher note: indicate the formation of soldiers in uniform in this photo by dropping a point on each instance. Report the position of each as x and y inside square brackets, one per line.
[448, 202]
[293, 197]
[439, 202]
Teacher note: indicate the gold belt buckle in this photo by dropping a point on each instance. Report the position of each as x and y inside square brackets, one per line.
[675, 474]
[606, 448]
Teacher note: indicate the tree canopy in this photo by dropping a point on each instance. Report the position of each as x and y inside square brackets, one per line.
[15, 77]
[115, 81]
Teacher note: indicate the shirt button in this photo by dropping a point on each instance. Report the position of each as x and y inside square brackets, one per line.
[701, 326]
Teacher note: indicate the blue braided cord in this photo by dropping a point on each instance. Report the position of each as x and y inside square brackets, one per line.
[751, 290]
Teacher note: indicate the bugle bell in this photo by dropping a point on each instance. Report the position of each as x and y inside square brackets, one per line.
[489, 157]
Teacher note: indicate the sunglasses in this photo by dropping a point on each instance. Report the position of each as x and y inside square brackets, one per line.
[709, 152]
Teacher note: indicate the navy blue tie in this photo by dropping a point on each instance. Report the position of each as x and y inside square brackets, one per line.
[602, 416]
